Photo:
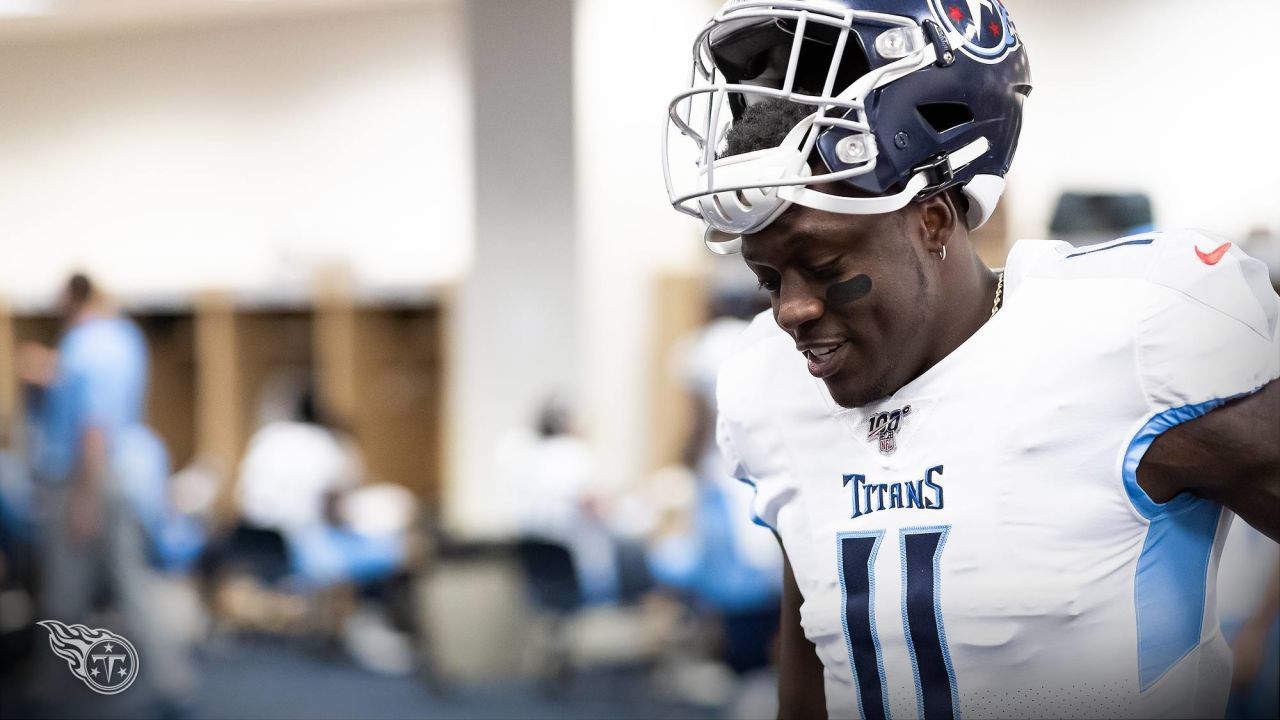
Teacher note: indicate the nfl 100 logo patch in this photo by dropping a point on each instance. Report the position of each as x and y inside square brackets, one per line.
[884, 427]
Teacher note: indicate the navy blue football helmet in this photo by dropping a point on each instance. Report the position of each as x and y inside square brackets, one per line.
[904, 99]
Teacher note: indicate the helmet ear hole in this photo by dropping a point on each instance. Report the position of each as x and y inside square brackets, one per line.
[944, 116]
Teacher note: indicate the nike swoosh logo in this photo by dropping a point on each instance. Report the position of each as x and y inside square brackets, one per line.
[1212, 258]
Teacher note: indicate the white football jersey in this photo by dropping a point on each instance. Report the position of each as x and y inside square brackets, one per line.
[977, 544]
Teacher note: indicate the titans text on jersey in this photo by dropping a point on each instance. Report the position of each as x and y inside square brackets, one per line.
[868, 497]
[1044, 580]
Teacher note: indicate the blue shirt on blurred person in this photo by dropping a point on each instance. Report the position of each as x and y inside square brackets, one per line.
[101, 382]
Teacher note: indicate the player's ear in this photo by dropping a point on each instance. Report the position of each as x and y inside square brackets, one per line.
[939, 218]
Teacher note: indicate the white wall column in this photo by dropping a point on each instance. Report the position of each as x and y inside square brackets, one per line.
[515, 336]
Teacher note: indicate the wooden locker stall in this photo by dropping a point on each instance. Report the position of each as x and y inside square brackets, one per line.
[222, 367]
[378, 366]
[39, 327]
[171, 395]
[216, 400]
[273, 364]
[23, 327]
[10, 402]
[680, 308]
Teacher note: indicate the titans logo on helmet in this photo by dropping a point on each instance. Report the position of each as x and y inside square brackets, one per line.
[983, 26]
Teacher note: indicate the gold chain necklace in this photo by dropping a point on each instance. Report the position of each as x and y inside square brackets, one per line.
[996, 304]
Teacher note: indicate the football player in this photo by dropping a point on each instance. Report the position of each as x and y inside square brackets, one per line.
[1001, 493]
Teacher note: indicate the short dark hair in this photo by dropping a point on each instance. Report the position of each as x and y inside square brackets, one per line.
[554, 418]
[79, 289]
[763, 126]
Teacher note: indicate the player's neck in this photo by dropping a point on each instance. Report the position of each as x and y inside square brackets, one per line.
[968, 293]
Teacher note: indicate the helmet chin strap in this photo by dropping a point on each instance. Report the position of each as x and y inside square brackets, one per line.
[721, 242]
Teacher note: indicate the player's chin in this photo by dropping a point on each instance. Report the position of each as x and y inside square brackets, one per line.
[855, 387]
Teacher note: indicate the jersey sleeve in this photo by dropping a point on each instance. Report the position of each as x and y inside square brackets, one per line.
[747, 440]
[764, 504]
[1207, 330]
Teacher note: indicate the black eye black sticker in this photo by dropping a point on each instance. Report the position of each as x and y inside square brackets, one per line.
[847, 291]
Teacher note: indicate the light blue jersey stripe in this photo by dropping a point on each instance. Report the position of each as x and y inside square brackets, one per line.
[755, 492]
[1170, 589]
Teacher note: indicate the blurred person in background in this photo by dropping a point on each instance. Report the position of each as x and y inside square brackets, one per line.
[552, 476]
[175, 533]
[16, 535]
[86, 402]
[710, 551]
[15, 508]
[292, 472]
[730, 564]
[304, 479]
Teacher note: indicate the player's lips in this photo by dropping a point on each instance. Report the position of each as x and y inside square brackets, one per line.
[824, 356]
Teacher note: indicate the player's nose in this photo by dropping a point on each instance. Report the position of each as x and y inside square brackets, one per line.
[798, 305]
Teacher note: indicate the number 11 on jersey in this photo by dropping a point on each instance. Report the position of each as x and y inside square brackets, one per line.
[921, 550]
